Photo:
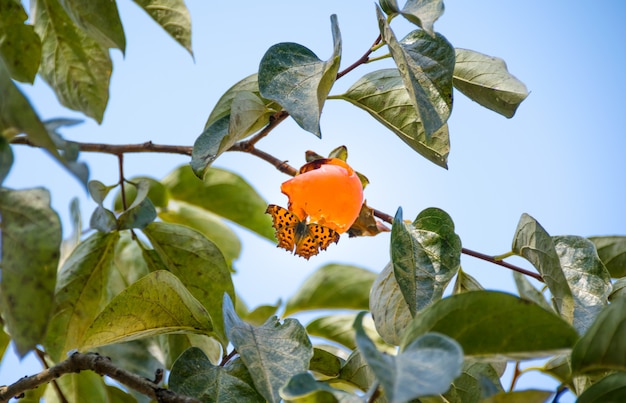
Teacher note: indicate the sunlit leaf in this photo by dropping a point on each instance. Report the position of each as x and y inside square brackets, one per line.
[20, 46]
[465, 283]
[194, 375]
[76, 66]
[197, 263]
[223, 193]
[612, 252]
[589, 281]
[338, 328]
[239, 113]
[611, 388]
[383, 95]
[156, 304]
[425, 256]
[273, 353]
[427, 365]
[602, 346]
[486, 80]
[533, 243]
[388, 307]
[81, 292]
[209, 224]
[423, 13]
[426, 65]
[333, 286]
[298, 80]
[31, 238]
[98, 19]
[261, 314]
[173, 16]
[511, 326]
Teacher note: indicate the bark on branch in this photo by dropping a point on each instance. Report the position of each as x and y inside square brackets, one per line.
[102, 366]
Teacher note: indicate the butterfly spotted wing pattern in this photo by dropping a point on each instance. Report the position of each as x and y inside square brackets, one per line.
[297, 236]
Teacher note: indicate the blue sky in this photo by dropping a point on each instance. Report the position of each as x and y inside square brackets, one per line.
[561, 159]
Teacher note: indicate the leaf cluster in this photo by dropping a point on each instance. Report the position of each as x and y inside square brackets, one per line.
[150, 284]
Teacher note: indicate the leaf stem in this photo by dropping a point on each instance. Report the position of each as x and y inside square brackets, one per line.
[362, 60]
[491, 259]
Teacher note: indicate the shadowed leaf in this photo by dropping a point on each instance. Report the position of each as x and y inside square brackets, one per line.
[173, 16]
[20, 46]
[612, 252]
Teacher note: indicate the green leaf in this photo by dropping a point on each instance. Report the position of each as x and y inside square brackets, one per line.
[209, 224]
[20, 46]
[261, 314]
[612, 252]
[6, 159]
[426, 367]
[156, 304]
[589, 281]
[86, 386]
[520, 396]
[194, 375]
[298, 80]
[465, 283]
[333, 286]
[76, 66]
[468, 387]
[338, 328]
[248, 114]
[173, 345]
[324, 363]
[423, 13]
[273, 353]
[101, 219]
[304, 388]
[559, 368]
[223, 193]
[173, 16]
[30, 232]
[425, 256]
[611, 388]
[486, 80]
[81, 292]
[602, 347]
[69, 150]
[619, 289]
[356, 371]
[141, 212]
[390, 311]
[157, 193]
[533, 243]
[98, 19]
[134, 356]
[511, 326]
[426, 65]
[383, 95]
[197, 263]
[530, 293]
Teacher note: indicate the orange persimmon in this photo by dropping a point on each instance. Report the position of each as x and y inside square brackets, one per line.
[327, 191]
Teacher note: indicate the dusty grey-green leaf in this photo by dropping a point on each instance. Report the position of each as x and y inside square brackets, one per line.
[303, 388]
[194, 375]
[294, 77]
[486, 80]
[423, 13]
[273, 352]
[382, 94]
[425, 255]
[426, 65]
[426, 367]
[587, 277]
[532, 242]
[31, 238]
[527, 291]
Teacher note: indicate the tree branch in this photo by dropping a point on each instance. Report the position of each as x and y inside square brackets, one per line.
[117, 149]
[102, 366]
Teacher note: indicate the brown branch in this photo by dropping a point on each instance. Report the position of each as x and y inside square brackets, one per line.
[117, 149]
[102, 366]
[362, 60]
[42, 357]
[491, 259]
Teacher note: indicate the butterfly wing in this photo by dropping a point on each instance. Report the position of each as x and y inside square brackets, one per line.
[316, 237]
[285, 223]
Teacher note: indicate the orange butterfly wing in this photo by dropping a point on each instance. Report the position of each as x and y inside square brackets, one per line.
[307, 239]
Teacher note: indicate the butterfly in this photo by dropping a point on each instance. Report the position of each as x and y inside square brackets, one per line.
[307, 239]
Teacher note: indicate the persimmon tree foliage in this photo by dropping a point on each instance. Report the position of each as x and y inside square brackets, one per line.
[145, 296]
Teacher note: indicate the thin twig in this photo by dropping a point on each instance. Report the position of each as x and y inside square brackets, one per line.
[362, 60]
[102, 366]
[117, 149]
[120, 163]
[501, 263]
[42, 357]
